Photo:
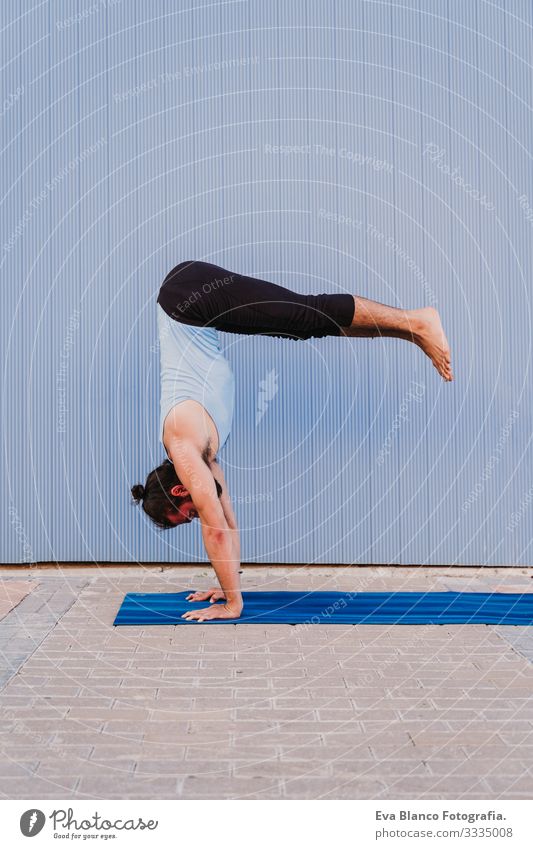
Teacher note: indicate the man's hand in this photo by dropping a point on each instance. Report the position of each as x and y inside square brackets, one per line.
[216, 611]
[212, 594]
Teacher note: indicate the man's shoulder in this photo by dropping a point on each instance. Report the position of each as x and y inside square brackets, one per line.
[189, 426]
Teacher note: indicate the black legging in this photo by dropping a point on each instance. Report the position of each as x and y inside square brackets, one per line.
[207, 295]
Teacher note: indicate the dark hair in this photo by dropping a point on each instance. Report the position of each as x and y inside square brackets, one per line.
[155, 495]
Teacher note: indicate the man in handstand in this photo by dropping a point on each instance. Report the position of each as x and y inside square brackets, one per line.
[196, 300]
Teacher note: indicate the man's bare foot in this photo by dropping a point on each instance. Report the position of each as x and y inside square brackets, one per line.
[429, 335]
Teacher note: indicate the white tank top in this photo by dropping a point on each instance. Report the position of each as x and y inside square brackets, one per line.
[194, 368]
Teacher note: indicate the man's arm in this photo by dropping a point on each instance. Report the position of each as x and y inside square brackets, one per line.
[227, 507]
[214, 594]
[218, 537]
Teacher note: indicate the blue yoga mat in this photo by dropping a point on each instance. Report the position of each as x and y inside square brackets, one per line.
[334, 608]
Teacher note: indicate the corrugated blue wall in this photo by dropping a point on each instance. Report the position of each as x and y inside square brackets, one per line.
[354, 146]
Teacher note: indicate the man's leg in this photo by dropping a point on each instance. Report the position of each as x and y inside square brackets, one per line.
[207, 295]
[422, 326]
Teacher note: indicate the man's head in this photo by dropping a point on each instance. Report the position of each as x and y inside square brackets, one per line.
[165, 499]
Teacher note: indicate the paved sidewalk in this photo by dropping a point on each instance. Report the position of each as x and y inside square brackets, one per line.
[251, 711]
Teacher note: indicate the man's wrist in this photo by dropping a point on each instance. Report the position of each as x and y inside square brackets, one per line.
[234, 601]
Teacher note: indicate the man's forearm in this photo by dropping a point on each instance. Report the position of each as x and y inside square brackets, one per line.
[223, 552]
[236, 545]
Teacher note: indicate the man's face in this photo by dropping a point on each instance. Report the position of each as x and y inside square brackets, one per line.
[186, 511]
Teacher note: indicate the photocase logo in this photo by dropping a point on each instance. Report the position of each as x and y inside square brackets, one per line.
[64, 823]
[32, 822]
[268, 389]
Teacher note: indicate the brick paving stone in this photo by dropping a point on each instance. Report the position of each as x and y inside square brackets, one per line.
[147, 752]
[121, 730]
[338, 788]
[209, 766]
[476, 766]
[12, 592]
[231, 788]
[281, 769]
[156, 767]
[395, 767]
[55, 768]
[132, 787]
[15, 769]
[241, 751]
[510, 786]
[38, 788]
[32, 716]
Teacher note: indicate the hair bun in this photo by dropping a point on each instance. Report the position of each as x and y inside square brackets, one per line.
[137, 492]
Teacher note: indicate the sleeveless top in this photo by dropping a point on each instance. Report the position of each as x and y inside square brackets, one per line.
[194, 368]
